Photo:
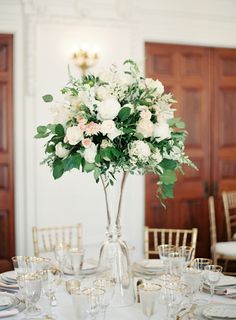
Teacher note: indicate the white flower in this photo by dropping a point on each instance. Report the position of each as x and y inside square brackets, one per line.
[145, 127]
[155, 84]
[73, 135]
[86, 143]
[175, 154]
[140, 150]
[156, 156]
[108, 109]
[145, 114]
[163, 112]
[90, 153]
[103, 92]
[105, 143]
[60, 151]
[124, 79]
[162, 131]
[61, 114]
[108, 127]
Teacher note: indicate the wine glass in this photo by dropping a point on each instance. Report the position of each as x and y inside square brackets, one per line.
[60, 251]
[212, 275]
[37, 264]
[176, 262]
[76, 260]
[72, 285]
[200, 263]
[186, 253]
[93, 300]
[108, 286]
[164, 251]
[149, 294]
[192, 279]
[79, 301]
[174, 296]
[20, 264]
[30, 285]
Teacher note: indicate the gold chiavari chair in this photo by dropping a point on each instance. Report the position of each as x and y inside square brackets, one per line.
[229, 201]
[219, 250]
[153, 237]
[45, 239]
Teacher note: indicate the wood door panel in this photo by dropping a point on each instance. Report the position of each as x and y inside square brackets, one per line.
[185, 71]
[7, 237]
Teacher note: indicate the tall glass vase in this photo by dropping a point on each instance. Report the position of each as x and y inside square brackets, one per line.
[114, 258]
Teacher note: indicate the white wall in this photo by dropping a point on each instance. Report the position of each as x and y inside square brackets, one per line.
[46, 33]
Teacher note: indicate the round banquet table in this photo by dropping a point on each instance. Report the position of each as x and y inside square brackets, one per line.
[65, 311]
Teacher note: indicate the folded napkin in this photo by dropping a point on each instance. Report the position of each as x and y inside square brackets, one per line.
[12, 286]
[7, 313]
[230, 292]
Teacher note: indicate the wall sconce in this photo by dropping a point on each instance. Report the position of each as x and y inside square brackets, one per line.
[85, 59]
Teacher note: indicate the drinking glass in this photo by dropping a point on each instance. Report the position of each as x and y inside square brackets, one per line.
[149, 296]
[79, 301]
[200, 263]
[76, 260]
[108, 286]
[30, 285]
[61, 251]
[20, 264]
[212, 275]
[37, 264]
[174, 296]
[164, 251]
[93, 301]
[176, 262]
[72, 285]
[186, 253]
[192, 279]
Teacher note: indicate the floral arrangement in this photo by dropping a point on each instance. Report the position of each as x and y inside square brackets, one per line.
[117, 121]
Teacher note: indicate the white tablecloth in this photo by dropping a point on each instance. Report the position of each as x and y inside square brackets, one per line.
[65, 311]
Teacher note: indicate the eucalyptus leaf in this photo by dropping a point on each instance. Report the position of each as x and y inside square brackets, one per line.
[47, 98]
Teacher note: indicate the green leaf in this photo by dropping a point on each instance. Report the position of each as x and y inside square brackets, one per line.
[168, 164]
[97, 158]
[73, 161]
[88, 167]
[124, 113]
[168, 177]
[40, 136]
[59, 130]
[96, 173]
[50, 148]
[177, 122]
[47, 98]
[139, 136]
[115, 152]
[168, 190]
[51, 127]
[41, 129]
[58, 168]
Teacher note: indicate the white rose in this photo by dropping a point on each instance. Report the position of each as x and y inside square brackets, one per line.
[145, 114]
[103, 92]
[145, 127]
[108, 109]
[73, 135]
[162, 131]
[90, 153]
[60, 151]
[108, 127]
[124, 79]
[61, 114]
[155, 84]
[156, 156]
[140, 150]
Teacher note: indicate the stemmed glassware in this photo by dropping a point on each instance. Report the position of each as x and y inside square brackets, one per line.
[20, 264]
[108, 286]
[30, 285]
[164, 251]
[76, 256]
[149, 294]
[186, 253]
[199, 264]
[93, 301]
[61, 251]
[212, 275]
[174, 296]
[192, 279]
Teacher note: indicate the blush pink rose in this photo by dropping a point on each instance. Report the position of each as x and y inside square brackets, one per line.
[87, 143]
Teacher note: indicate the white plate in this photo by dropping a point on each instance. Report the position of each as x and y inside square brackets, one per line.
[151, 264]
[226, 281]
[6, 301]
[220, 311]
[11, 275]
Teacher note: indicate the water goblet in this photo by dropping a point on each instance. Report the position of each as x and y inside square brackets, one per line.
[176, 263]
[60, 252]
[30, 285]
[174, 296]
[108, 286]
[149, 295]
[192, 279]
[212, 275]
[37, 264]
[76, 260]
[164, 250]
[200, 263]
[20, 264]
[72, 285]
[187, 253]
[93, 301]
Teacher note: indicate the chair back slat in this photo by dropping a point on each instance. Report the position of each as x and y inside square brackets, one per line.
[177, 237]
[45, 239]
[229, 203]
[212, 220]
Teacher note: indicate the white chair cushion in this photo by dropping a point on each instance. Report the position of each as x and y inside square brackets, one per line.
[226, 248]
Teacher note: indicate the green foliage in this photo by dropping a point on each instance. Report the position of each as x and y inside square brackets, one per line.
[47, 98]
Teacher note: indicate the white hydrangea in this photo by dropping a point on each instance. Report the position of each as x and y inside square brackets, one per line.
[105, 144]
[176, 153]
[61, 151]
[156, 156]
[139, 150]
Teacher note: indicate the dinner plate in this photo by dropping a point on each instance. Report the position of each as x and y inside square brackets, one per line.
[219, 311]
[150, 264]
[7, 301]
[11, 275]
[226, 281]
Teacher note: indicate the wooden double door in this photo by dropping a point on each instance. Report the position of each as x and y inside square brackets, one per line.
[203, 81]
[7, 238]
